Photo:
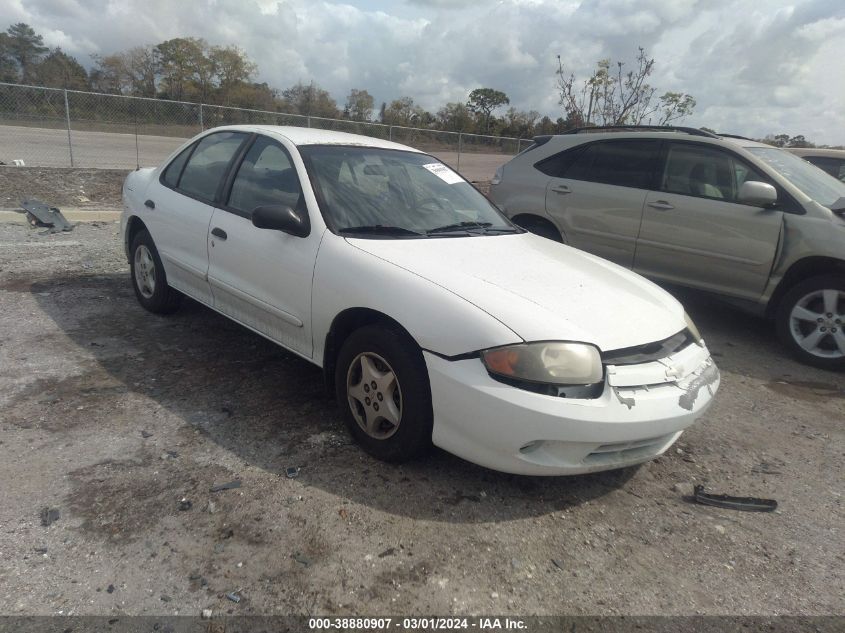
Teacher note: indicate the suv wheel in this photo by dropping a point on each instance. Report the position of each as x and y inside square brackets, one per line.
[148, 277]
[810, 321]
[382, 388]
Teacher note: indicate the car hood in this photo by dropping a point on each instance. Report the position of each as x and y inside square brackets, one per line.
[542, 290]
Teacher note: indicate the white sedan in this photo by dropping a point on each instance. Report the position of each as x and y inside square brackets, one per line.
[435, 318]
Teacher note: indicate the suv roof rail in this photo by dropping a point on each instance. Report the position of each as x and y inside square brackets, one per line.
[693, 131]
[744, 138]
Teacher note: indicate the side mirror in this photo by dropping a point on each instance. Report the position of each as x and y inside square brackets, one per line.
[758, 194]
[282, 218]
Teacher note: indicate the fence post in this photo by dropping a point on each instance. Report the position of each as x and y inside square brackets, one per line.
[460, 147]
[67, 122]
[202, 125]
[390, 133]
[308, 121]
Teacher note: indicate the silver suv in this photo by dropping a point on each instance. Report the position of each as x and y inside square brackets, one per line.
[753, 223]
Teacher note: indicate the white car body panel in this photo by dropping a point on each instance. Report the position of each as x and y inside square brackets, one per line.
[454, 296]
[541, 289]
[347, 276]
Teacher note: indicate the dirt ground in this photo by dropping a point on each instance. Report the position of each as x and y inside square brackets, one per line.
[123, 422]
[61, 187]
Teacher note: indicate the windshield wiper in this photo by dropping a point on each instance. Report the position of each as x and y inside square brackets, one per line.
[459, 226]
[378, 229]
[486, 227]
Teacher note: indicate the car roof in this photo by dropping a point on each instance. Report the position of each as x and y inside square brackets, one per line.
[815, 151]
[312, 136]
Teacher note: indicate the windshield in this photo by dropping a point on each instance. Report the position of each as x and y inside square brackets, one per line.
[818, 185]
[388, 193]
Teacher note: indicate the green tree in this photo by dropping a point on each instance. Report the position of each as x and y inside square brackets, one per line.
[455, 117]
[232, 68]
[8, 67]
[25, 47]
[610, 96]
[403, 111]
[184, 67]
[309, 100]
[483, 101]
[359, 105]
[59, 70]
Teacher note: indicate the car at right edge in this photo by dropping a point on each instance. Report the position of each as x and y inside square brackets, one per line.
[752, 223]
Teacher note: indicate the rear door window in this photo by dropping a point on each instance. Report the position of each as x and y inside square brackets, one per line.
[624, 162]
[207, 165]
[174, 169]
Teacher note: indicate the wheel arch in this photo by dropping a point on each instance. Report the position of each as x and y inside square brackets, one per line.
[133, 226]
[800, 271]
[519, 218]
[344, 324]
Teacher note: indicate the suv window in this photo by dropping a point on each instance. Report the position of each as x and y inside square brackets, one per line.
[834, 166]
[208, 163]
[174, 169]
[626, 163]
[266, 177]
[706, 172]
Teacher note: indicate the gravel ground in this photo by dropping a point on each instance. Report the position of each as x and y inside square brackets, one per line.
[123, 422]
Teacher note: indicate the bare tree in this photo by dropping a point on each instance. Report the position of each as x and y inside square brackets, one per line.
[611, 96]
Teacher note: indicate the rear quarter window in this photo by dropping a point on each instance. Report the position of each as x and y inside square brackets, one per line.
[624, 163]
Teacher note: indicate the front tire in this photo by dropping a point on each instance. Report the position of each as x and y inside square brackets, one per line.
[148, 277]
[382, 389]
[810, 321]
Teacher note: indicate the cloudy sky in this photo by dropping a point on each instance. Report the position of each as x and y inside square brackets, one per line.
[755, 67]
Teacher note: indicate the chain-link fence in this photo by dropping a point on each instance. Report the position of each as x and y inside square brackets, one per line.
[50, 127]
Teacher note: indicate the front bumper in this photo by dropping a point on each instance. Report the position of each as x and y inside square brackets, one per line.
[641, 412]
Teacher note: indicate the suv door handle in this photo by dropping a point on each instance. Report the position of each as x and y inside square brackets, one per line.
[561, 189]
[219, 233]
[150, 204]
[661, 205]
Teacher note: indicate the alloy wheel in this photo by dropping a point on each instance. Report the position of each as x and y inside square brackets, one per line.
[816, 323]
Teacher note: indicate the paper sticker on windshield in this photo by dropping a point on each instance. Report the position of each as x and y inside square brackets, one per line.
[444, 173]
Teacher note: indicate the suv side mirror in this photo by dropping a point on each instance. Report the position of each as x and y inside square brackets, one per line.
[758, 194]
[278, 217]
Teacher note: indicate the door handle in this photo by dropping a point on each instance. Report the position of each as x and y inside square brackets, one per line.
[150, 204]
[661, 205]
[219, 233]
[561, 189]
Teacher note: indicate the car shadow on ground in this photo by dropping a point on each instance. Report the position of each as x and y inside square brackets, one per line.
[271, 408]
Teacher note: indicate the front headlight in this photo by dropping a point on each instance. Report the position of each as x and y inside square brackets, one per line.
[696, 335]
[552, 362]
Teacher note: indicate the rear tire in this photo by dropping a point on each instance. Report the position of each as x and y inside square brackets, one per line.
[542, 228]
[148, 277]
[810, 321]
[382, 389]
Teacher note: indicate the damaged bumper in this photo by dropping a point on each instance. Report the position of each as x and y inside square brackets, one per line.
[641, 412]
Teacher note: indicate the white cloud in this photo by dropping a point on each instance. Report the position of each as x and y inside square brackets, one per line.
[754, 68]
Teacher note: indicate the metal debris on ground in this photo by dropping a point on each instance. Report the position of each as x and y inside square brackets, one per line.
[42, 215]
[227, 486]
[746, 504]
[50, 516]
[292, 472]
[233, 596]
[557, 564]
[184, 505]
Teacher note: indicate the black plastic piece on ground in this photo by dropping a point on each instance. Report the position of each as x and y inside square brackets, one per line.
[41, 214]
[745, 504]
